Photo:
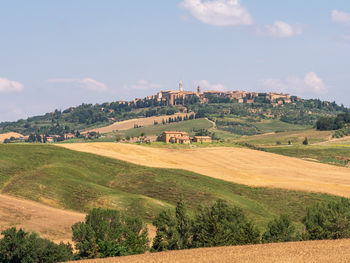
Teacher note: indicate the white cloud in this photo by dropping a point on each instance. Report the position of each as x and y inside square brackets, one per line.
[142, 85]
[85, 83]
[282, 29]
[7, 86]
[310, 84]
[206, 85]
[340, 17]
[219, 12]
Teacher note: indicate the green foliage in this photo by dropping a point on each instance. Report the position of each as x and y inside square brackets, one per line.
[223, 225]
[22, 247]
[280, 230]
[108, 233]
[331, 221]
[333, 123]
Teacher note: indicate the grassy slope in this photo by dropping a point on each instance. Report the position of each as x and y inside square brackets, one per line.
[324, 154]
[79, 181]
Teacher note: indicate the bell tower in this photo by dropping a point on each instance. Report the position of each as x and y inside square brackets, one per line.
[180, 86]
[198, 89]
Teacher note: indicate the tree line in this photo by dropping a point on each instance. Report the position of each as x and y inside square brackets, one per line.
[333, 123]
[108, 233]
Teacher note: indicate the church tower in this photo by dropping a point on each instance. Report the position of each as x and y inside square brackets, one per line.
[198, 89]
[180, 86]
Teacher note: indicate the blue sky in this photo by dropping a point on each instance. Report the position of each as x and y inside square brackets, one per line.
[56, 54]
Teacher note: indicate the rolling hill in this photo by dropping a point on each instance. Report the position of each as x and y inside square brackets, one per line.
[78, 181]
[238, 165]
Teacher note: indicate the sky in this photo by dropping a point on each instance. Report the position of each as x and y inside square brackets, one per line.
[61, 53]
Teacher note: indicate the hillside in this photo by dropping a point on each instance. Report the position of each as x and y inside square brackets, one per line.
[239, 165]
[88, 117]
[79, 181]
[307, 251]
[51, 223]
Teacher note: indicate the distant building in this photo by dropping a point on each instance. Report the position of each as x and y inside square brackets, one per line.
[202, 139]
[176, 137]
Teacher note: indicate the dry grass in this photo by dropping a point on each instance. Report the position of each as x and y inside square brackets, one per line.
[239, 165]
[8, 135]
[51, 223]
[309, 251]
[129, 124]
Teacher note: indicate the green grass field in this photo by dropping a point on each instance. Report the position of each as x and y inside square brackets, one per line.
[80, 181]
[336, 155]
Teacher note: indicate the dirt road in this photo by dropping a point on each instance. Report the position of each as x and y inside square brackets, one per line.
[239, 165]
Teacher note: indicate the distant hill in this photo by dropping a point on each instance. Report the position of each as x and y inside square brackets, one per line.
[88, 116]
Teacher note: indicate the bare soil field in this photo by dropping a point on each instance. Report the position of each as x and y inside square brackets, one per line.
[239, 165]
[308, 251]
[129, 124]
[52, 223]
[8, 135]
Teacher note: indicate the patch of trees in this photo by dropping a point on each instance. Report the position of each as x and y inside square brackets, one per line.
[333, 123]
[107, 233]
[18, 246]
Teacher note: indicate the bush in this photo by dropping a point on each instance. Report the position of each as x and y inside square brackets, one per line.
[306, 141]
[22, 247]
[331, 221]
[279, 230]
[108, 233]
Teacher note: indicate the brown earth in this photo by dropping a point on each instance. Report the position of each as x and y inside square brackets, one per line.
[52, 223]
[8, 135]
[239, 165]
[129, 124]
[308, 251]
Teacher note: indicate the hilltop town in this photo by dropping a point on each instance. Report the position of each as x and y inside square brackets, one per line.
[181, 97]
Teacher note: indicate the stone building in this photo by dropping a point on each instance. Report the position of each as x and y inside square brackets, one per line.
[202, 139]
[176, 137]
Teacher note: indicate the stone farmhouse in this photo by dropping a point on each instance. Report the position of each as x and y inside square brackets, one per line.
[183, 138]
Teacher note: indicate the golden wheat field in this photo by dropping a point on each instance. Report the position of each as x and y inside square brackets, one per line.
[129, 124]
[307, 251]
[239, 165]
[8, 135]
[51, 223]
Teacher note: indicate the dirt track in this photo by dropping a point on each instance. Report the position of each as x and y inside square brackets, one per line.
[51, 223]
[129, 124]
[244, 166]
[309, 251]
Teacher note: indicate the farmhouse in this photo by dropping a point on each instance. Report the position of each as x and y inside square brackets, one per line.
[176, 137]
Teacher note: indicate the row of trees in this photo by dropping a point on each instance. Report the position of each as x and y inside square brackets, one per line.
[107, 233]
[333, 123]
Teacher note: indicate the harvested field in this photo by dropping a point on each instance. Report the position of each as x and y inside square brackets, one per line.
[239, 165]
[8, 135]
[51, 223]
[129, 124]
[308, 251]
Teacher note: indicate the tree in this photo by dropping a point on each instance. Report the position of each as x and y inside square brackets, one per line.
[222, 225]
[117, 138]
[306, 141]
[167, 237]
[183, 224]
[22, 247]
[279, 230]
[328, 221]
[107, 233]
[127, 138]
